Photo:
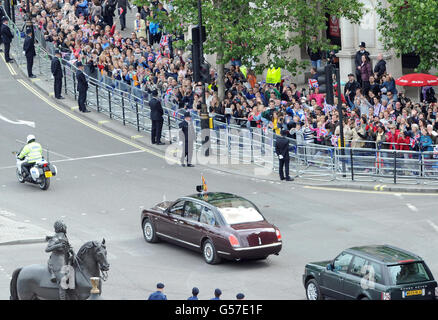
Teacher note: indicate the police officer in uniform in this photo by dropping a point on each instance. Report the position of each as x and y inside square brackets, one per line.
[158, 295]
[82, 87]
[32, 152]
[156, 118]
[282, 151]
[7, 37]
[187, 137]
[57, 74]
[29, 51]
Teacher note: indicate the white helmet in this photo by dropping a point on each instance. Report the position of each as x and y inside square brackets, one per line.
[30, 138]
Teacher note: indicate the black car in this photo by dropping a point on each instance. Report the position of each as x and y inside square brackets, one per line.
[378, 272]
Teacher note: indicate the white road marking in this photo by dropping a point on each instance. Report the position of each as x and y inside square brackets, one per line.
[99, 156]
[398, 195]
[412, 207]
[122, 209]
[27, 221]
[27, 123]
[44, 219]
[433, 225]
[83, 213]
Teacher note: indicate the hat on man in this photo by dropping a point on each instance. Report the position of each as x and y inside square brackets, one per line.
[195, 291]
[155, 92]
[57, 51]
[362, 45]
[160, 285]
[4, 19]
[217, 292]
[283, 132]
[79, 64]
[240, 296]
[187, 114]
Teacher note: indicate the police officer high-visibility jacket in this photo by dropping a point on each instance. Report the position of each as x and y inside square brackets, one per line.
[32, 151]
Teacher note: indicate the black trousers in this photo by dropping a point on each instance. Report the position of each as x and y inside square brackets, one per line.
[157, 126]
[25, 168]
[122, 19]
[29, 60]
[283, 164]
[7, 49]
[82, 100]
[57, 87]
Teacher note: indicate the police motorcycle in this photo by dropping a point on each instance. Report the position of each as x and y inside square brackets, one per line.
[40, 172]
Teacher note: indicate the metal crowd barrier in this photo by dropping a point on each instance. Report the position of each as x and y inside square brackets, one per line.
[234, 143]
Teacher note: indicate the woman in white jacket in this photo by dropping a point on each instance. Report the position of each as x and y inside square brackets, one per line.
[139, 26]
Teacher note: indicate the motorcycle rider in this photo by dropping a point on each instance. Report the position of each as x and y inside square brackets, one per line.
[33, 152]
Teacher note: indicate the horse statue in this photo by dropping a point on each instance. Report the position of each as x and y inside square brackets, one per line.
[34, 282]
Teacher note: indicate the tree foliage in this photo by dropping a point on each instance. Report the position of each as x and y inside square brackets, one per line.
[249, 30]
[411, 26]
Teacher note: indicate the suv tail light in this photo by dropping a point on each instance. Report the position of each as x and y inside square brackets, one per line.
[386, 295]
[233, 241]
[436, 292]
[277, 232]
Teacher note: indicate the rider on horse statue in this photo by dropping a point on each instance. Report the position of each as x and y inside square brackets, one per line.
[61, 259]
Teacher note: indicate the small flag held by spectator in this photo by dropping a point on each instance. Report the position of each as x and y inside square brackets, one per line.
[313, 83]
[164, 41]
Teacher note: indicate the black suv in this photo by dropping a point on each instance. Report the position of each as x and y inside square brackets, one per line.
[378, 272]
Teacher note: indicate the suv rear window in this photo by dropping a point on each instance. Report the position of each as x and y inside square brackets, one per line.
[407, 273]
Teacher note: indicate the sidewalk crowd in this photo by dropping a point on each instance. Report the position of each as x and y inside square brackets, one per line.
[375, 114]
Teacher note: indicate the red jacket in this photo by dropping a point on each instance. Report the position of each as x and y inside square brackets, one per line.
[403, 143]
[391, 140]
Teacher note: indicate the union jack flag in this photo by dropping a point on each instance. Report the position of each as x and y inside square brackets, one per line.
[323, 132]
[164, 41]
[313, 83]
[334, 140]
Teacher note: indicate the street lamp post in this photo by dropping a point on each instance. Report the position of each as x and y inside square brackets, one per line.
[205, 123]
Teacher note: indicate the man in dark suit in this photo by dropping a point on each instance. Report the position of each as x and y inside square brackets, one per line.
[358, 60]
[2, 14]
[82, 87]
[282, 151]
[157, 118]
[57, 74]
[7, 37]
[29, 51]
[187, 137]
[380, 67]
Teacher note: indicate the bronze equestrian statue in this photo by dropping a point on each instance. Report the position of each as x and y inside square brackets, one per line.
[66, 276]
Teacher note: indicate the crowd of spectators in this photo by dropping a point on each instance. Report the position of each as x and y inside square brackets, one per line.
[375, 114]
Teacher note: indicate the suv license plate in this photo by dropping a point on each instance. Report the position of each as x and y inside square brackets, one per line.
[413, 293]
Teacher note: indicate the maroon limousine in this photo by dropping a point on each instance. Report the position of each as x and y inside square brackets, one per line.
[220, 225]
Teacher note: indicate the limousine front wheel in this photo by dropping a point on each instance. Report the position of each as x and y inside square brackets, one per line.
[149, 231]
[313, 291]
[209, 253]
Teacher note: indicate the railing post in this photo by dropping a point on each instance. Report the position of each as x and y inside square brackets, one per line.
[74, 83]
[351, 164]
[123, 110]
[109, 104]
[138, 120]
[65, 82]
[97, 98]
[168, 126]
[395, 166]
